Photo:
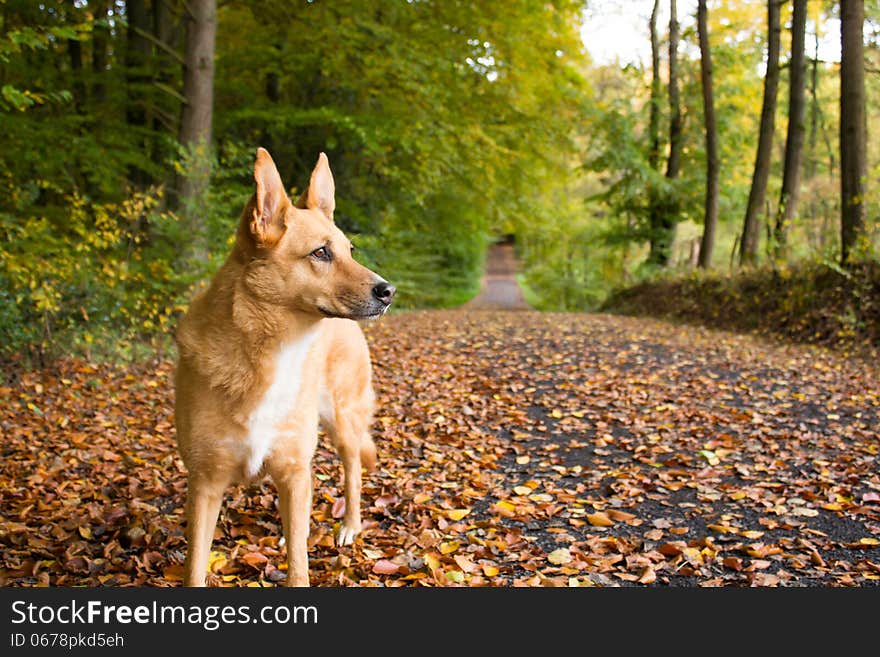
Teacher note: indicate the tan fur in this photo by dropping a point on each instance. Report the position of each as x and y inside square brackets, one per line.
[275, 295]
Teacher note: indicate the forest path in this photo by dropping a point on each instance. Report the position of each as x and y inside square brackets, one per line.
[499, 289]
[514, 449]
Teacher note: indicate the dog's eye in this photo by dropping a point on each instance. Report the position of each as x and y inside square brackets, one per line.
[322, 253]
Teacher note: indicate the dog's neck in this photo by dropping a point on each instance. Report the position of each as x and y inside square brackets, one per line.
[266, 325]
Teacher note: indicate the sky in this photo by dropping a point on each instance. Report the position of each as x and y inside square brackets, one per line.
[618, 30]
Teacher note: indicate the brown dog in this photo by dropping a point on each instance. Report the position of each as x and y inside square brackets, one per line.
[268, 350]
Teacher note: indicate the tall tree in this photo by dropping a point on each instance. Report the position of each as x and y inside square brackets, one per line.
[710, 221]
[748, 253]
[137, 59]
[673, 162]
[196, 118]
[664, 209]
[853, 127]
[654, 197]
[794, 140]
[100, 45]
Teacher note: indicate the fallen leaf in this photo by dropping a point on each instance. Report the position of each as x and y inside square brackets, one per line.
[385, 567]
[599, 519]
[560, 556]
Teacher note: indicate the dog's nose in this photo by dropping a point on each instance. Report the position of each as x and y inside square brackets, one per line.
[384, 292]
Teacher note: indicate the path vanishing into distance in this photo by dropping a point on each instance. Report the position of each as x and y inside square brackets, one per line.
[499, 289]
[516, 448]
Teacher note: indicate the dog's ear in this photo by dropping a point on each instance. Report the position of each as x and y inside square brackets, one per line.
[322, 191]
[270, 201]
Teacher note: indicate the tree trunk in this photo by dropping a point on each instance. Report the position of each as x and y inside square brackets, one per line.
[707, 244]
[757, 194]
[853, 128]
[196, 118]
[166, 117]
[100, 39]
[137, 57]
[74, 49]
[663, 224]
[794, 141]
[198, 73]
[672, 164]
[656, 254]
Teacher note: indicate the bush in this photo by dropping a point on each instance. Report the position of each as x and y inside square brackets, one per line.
[813, 302]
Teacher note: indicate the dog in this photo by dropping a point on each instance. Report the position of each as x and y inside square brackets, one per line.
[270, 351]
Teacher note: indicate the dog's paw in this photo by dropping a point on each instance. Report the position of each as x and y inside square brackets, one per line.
[346, 535]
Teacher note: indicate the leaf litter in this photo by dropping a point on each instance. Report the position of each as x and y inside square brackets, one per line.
[516, 449]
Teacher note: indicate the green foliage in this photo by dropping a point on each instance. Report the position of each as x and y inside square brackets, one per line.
[440, 120]
[447, 124]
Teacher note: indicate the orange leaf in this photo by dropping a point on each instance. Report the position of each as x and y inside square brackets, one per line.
[620, 516]
[734, 563]
[671, 549]
[173, 573]
[385, 567]
[255, 559]
[599, 519]
[465, 563]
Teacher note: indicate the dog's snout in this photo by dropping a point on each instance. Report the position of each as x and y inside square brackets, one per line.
[384, 292]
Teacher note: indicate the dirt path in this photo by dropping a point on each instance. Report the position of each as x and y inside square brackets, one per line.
[499, 289]
[515, 449]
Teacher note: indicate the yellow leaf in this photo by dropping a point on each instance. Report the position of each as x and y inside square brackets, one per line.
[457, 514]
[421, 498]
[522, 490]
[556, 413]
[832, 506]
[869, 541]
[560, 556]
[216, 561]
[432, 561]
[505, 508]
[489, 570]
[693, 554]
[541, 497]
[752, 533]
[448, 547]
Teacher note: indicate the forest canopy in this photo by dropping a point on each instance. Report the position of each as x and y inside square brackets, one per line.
[128, 131]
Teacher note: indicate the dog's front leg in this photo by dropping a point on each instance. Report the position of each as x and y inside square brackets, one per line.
[294, 484]
[203, 500]
[295, 503]
[349, 450]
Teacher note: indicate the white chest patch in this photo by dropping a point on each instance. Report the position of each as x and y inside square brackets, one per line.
[277, 402]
